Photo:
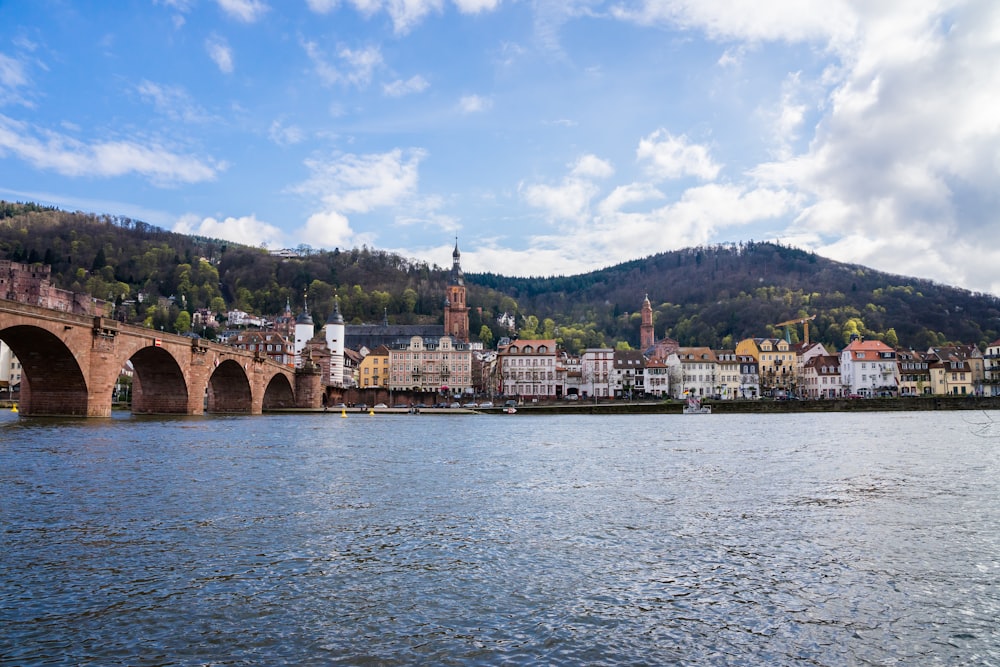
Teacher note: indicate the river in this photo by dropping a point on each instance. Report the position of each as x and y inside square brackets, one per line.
[823, 539]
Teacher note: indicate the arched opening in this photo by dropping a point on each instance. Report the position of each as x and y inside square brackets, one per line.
[52, 383]
[278, 394]
[229, 389]
[158, 385]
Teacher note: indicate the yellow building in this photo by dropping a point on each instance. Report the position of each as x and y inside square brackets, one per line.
[951, 377]
[373, 371]
[776, 362]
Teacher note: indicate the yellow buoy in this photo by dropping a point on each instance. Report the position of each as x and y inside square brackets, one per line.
[343, 414]
[372, 411]
[13, 408]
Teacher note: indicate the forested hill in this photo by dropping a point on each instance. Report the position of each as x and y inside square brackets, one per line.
[716, 296]
[712, 296]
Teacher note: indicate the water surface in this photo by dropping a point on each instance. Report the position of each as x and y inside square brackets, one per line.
[830, 539]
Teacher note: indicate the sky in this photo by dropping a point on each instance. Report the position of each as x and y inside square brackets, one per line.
[547, 138]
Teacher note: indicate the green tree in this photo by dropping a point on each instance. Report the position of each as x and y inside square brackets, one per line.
[891, 339]
[183, 322]
[486, 336]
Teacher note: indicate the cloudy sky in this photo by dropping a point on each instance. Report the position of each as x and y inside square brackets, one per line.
[548, 137]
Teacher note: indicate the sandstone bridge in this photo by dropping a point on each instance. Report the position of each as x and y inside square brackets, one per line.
[71, 363]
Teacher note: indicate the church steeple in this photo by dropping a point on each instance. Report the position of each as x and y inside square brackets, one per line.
[456, 313]
[646, 337]
[457, 277]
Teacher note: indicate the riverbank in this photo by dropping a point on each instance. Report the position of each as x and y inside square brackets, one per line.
[929, 403]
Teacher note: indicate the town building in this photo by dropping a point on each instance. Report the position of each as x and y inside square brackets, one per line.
[971, 355]
[820, 377]
[991, 369]
[424, 365]
[266, 345]
[950, 376]
[373, 371]
[749, 377]
[728, 374]
[698, 372]
[598, 365]
[10, 372]
[868, 368]
[914, 373]
[527, 369]
[775, 364]
[629, 374]
[657, 378]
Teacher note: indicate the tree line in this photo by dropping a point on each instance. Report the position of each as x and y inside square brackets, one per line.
[710, 295]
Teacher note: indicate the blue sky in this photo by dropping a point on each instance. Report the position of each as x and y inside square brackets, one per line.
[548, 137]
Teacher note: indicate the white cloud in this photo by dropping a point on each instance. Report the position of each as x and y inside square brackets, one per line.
[220, 53]
[173, 102]
[284, 135]
[570, 200]
[591, 166]
[11, 72]
[474, 103]
[476, 6]
[362, 62]
[247, 11]
[247, 230]
[361, 183]
[831, 21]
[399, 88]
[404, 14]
[358, 64]
[907, 149]
[322, 6]
[328, 229]
[60, 153]
[675, 157]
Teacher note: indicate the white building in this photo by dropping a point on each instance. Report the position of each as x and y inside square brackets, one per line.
[10, 370]
[868, 368]
[698, 372]
[527, 369]
[991, 369]
[598, 367]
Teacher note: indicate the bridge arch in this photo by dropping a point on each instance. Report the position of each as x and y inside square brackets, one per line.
[158, 383]
[52, 382]
[279, 393]
[229, 389]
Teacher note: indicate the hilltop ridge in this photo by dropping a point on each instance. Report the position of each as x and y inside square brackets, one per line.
[711, 296]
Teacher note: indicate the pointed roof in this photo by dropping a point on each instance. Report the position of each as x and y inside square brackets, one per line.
[335, 316]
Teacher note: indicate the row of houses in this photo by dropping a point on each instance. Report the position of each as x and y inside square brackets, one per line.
[537, 370]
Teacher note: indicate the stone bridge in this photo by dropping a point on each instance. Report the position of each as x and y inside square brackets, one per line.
[71, 363]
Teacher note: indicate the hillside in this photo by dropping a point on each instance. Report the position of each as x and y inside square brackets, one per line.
[711, 296]
[718, 295]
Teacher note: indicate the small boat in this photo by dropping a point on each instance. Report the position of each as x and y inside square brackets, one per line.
[694, 407]
[511, 410]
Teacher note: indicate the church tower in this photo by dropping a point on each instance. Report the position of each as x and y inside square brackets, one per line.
[334, 330]
[456, 313]
[646, 339]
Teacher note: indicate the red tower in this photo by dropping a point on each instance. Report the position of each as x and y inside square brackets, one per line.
[456, 313]
[646, 339]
